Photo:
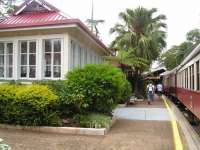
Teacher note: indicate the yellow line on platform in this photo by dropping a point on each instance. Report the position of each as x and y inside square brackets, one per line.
[176, 135]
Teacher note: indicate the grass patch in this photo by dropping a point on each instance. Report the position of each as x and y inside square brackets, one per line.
[93, 120]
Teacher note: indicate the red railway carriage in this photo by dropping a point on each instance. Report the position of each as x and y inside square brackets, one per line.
[183, 82]
[169, 82]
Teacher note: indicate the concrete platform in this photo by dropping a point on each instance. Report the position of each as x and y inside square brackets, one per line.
[157, 114]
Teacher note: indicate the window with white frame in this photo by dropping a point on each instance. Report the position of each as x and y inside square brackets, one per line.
[6, 60]
[90, 59]
[27, 59]
[52, 58]
[73, 46]
[85, 56]
[79, 56]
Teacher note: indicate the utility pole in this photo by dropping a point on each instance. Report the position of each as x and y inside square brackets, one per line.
[92, 16]
[92, 23]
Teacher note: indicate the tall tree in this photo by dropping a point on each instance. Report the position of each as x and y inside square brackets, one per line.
[7, 6]
[175, 55]
[141, 34]
[194, 36]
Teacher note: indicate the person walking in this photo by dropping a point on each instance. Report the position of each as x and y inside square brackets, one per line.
[150, 92]
[159, 88]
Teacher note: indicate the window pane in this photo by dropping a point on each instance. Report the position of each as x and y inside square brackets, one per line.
[193, 77]
[48, 71]
[74, 55]
[23, 71]
[85, 56]
[91, 58]
[32, 59]
[1, 59]
[9, 72]
[23, 47]
[32, 47]
[1, 72]
[57, 46]
[23, 59]
[57, 59]
[9, 48]
[9, 60]
[47, 45]
[56, 71]
[197, 69]
[32, 72]
[1, 48]
[79, 55]
[48, 59]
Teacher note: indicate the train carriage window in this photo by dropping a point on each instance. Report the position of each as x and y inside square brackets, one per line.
[193, 77]
[190, 68]
[182, 79]
[197, 74]
[186, 77]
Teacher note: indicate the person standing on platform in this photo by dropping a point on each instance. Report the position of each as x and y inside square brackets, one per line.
[159, 88]
[150, 92]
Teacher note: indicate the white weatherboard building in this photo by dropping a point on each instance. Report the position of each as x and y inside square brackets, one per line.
[38, 42]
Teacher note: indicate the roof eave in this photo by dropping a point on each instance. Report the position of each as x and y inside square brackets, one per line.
[76, 23]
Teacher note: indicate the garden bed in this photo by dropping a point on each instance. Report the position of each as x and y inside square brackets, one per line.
[63, 130]
[82, 103]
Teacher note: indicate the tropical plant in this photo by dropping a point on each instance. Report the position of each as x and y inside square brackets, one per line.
[194, 36]
[4, 146]
[141, 34]
[6, 6]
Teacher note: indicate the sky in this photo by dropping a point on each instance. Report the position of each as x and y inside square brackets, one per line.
[182, 15]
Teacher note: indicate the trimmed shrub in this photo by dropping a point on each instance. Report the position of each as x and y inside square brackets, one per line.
[93, 120]
[31, 105]
[60, 89]
[96, 88]
[7, 97]
[57, 86]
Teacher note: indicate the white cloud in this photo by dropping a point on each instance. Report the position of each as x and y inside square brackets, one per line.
[182, 15]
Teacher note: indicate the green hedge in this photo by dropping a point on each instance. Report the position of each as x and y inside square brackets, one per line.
[28, 105]
[59, 87]
[96, 88]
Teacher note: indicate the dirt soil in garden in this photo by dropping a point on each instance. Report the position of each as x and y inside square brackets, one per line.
[124, 135]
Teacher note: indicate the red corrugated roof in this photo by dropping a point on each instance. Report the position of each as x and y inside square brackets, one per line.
[33, 19]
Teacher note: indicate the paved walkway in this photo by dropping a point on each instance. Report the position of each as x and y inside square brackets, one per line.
[158, 114]
[129, 133]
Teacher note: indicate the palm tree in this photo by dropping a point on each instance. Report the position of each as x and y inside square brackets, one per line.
[6, 6]
[142, 34]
